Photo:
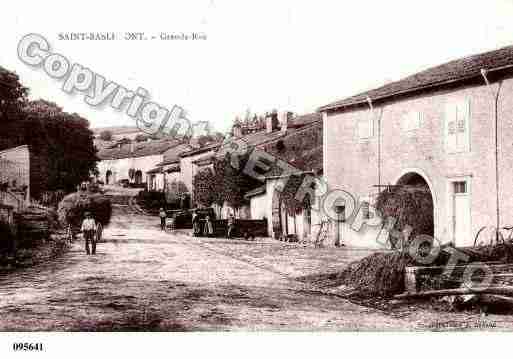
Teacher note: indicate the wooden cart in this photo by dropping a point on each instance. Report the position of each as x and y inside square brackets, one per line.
[73, 231]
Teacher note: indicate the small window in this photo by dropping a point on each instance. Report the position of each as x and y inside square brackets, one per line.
[411, 121]
[460, 187]
[365, 128]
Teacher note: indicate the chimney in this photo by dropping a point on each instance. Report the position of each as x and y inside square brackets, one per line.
[286, 119]
[271, 122]
[237, 130]
[237, 127]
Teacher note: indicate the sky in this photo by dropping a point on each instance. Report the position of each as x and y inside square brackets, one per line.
[259, 55]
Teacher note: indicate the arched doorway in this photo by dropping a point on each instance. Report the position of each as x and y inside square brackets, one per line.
[425, 213]
[108, 177]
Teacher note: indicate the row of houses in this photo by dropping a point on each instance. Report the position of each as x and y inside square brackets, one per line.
[447, 129]
[170, 166]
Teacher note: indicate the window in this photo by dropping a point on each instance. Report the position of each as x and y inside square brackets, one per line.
[365, 128]
[411, 121]
[460, 187]
[457, 126]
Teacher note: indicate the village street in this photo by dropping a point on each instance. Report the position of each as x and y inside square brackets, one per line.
[145, 279]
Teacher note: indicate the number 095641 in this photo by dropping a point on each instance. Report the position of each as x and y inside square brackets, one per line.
[28, 347]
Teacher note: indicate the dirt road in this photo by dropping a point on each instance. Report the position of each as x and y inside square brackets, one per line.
[145, 279]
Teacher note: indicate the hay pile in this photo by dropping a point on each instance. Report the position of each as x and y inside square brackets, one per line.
[411, 206]
[377, 275]
[380, 274]
[73, 207]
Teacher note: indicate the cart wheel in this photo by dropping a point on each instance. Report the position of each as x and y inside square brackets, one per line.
[494, 238]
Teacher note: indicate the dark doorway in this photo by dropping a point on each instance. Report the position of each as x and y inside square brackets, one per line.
[108, 177]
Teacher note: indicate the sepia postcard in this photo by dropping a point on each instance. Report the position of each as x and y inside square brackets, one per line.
[172, 172]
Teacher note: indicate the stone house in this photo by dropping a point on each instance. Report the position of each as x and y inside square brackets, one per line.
[301, 151]
[14, 181]
[188, 165]
[294, 140]
[127, 160]
[447, 129]
[282, 135]
[168, 171]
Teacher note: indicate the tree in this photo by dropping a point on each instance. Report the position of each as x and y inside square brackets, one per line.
[12, 93]
[205, 187]
[106, 135]
[13, 96]
[63, 147]
[224, 183]
[62, 153]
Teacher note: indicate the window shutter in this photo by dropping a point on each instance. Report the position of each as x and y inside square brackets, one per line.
[463, 125]
[362, 129]
[450, 127]
[417, 120]
[370, 125]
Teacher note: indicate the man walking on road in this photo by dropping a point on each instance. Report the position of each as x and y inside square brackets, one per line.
[89, 231]
[162, 215]
[231, 226]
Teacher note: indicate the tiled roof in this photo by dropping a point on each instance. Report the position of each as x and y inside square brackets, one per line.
[303, 120]
[261, 137]
[463, 69]
[175, 167]
[173, 155]
[255, 192]
[197, 151]
[155, 170]
[140, 149]
[204, 160]
[301, 148]
[297, 123]
[170, 162]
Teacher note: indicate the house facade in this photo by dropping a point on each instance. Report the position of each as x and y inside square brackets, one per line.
[436, 129]
[168, 171]
[14, 180]
[189, 165]
[130, 161]
[297, 151]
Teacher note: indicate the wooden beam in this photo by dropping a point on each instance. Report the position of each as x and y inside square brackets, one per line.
[507, 291]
